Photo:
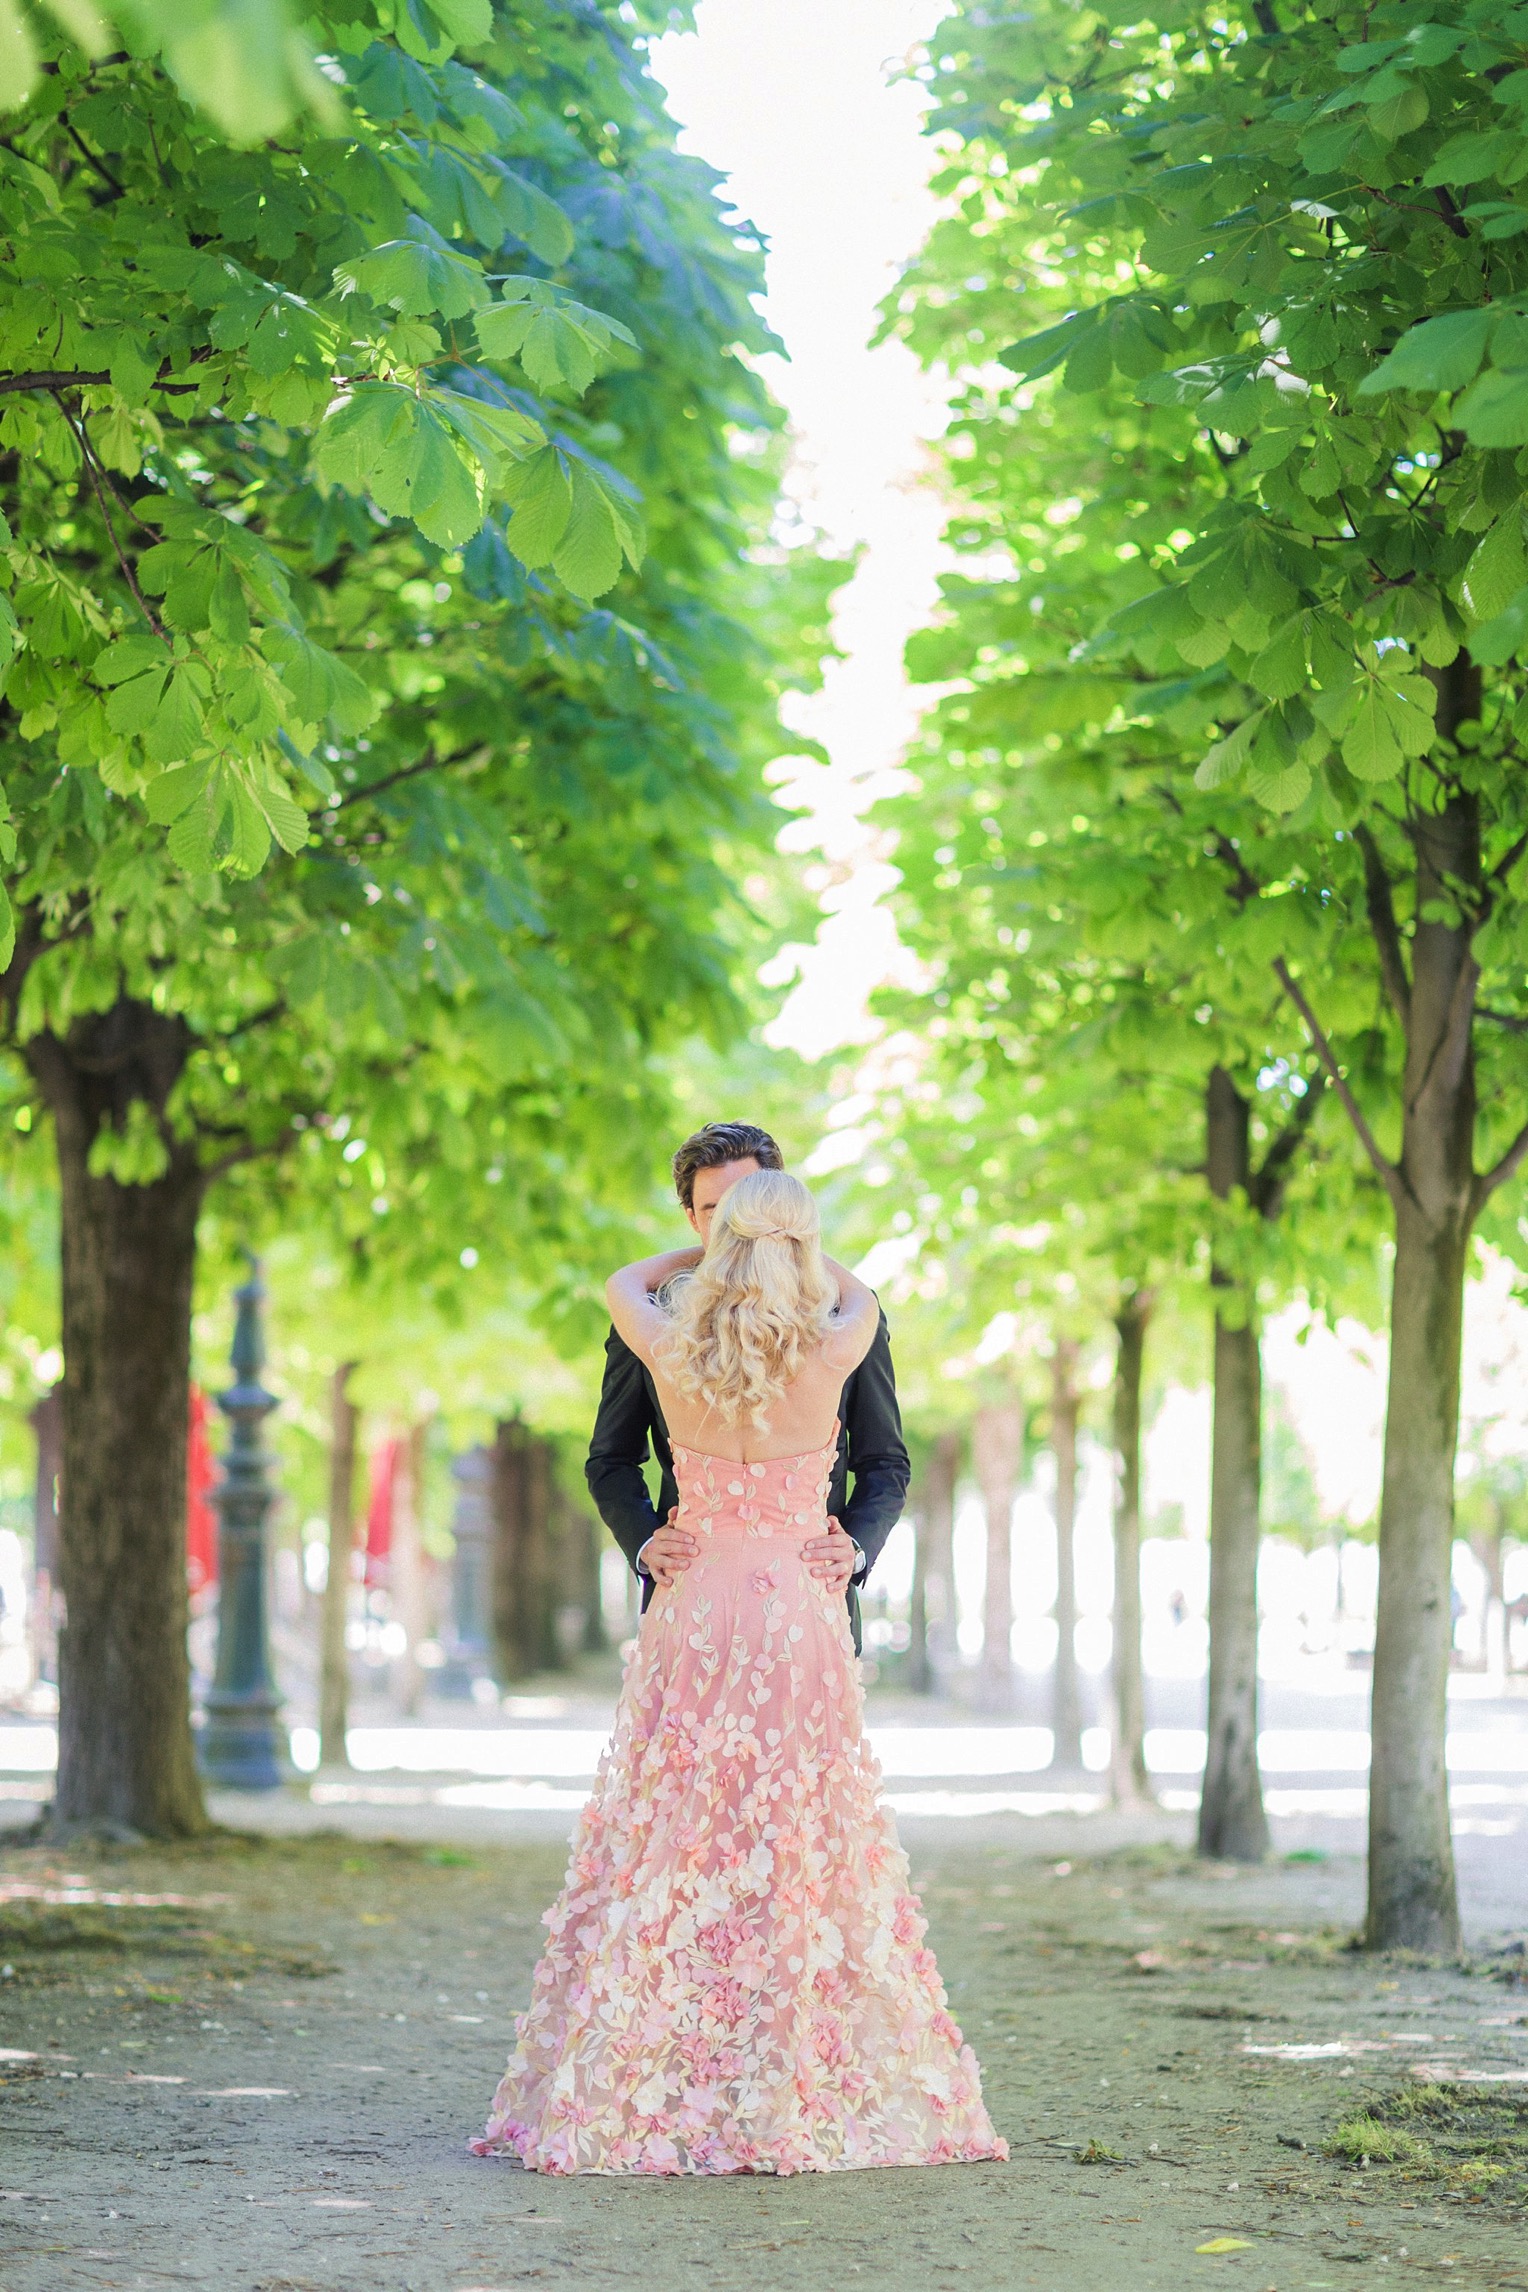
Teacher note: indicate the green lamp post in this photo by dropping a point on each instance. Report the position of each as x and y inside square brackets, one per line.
[242, 1744]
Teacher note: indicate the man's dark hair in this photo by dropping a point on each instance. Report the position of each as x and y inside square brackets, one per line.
[720, 1142]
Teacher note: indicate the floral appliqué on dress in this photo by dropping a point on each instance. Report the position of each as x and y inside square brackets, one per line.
[736, 1978]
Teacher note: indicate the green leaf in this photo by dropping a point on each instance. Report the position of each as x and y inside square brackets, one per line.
[542, 498]
[1500, 639]
[468, 22]
[1279, 669]
[245, 65]
[286, 819]
[1091, 362]
[498, 436]
[1440, 354]
[313, 768]
[244, 832]
[1165, 613]
[383, 442]
[1282, 789]
[171, 793]
[1224, 761]
[530, 216]
[190, 839]
[177, 724]
[416, 275]
[324, 689]
[1042, 353]
[442, 490]
[590, 550]
[227, 613]
[478, 105]
[1498, 218]
[134, 705]
[1497, 569]
[1494, 409]
[1471, 157]
[133, 367]
[19, 63]
[129, 656]
[1391, 721]
[10, 638]
[562, 344]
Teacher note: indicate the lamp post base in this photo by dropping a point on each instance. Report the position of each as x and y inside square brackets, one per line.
[241, 1747]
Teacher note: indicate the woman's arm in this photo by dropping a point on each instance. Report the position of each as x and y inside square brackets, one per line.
[856, 1321]
[629, 1295]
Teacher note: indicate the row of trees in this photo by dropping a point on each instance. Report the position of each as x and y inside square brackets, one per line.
[359, 865]
[1217, 850]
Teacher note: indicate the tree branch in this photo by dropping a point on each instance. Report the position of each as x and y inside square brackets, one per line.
[1389, 1176]
[1509, 859]
[50, 378]
[92, 160]
[1387, 937]
[1245, 885]
[1267, 1188]
[351, 796]
[129, 576]
[248, 1152]
[1508, 1019]
[260, 1018]
[1485, 1186]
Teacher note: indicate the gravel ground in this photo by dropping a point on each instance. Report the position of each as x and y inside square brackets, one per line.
[266, 2083]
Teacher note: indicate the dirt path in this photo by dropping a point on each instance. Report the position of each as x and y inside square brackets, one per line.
[210, 2106]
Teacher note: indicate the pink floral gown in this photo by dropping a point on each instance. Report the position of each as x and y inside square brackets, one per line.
[736, 1979]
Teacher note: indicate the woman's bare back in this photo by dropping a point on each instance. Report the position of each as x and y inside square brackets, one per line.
[801, 1420]
[801, 1417]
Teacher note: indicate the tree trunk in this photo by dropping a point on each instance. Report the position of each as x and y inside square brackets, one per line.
[583, 1543]
[920, 1676]
[1128, 1779]
[1413, 1901]
[997, 1447]
[125, 1757]
[334, 1657]
[936, 1564]
[1493, 1629]
[523, 1593]
[1232, 1823]
[47, 1422]
[1066, 1718]
[410, 1605]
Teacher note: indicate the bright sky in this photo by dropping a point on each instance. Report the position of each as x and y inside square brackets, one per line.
[832, 166]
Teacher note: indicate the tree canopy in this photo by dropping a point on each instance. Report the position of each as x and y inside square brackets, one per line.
[363, 865]
[1258, 596]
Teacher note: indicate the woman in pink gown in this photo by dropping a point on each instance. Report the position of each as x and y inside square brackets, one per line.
[736, 1978]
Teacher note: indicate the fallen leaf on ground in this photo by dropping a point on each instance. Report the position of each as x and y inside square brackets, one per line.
[1226, 2244]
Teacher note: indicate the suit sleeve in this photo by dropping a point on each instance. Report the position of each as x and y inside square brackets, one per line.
[619, 1449]
[879, 1465]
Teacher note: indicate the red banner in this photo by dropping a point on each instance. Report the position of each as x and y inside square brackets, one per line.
[379, 1514]
[201, 1515]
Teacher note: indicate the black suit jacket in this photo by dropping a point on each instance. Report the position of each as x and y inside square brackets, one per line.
[871, 1453]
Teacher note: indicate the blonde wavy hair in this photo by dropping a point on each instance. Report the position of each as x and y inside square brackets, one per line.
[759, 1301]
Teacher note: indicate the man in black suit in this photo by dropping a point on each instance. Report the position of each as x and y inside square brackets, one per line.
[871, 1451]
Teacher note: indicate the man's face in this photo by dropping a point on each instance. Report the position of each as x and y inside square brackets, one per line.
[710, 1185]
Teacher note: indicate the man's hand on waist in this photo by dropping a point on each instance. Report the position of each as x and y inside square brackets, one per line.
[668, 1551]
[834, 1559]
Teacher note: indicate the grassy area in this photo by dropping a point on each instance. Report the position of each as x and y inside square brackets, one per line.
[1468, 2141]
